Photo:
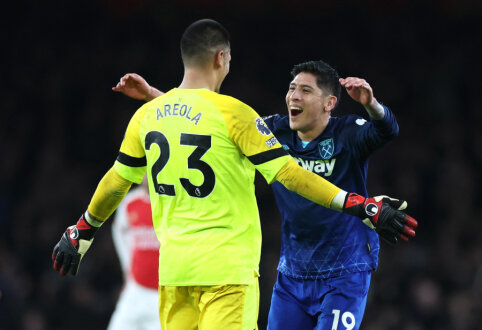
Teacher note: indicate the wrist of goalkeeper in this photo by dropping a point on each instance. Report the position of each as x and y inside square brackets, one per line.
[85, 228]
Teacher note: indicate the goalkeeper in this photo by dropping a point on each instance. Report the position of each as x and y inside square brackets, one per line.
[200, 150]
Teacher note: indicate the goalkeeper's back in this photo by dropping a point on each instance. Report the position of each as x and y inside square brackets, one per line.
[200, 150]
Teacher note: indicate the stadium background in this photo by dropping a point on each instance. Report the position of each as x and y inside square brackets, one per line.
[61, 126]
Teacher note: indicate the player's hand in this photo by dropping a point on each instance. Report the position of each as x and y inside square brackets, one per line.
[133, 86]
[72, 246]
[385, 214]
[358, 89]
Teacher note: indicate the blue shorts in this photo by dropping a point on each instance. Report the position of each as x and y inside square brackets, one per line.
[336, 303]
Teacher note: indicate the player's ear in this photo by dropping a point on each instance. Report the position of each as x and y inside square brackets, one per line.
[330, 103]
[219, 58]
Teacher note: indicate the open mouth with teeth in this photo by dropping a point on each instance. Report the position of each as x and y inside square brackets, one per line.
[295, 111]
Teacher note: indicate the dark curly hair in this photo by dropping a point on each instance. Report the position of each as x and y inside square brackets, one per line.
[326, 76]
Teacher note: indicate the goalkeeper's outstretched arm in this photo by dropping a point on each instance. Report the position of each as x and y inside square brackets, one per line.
[383, 212]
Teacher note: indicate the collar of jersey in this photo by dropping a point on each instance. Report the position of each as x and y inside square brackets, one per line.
[324, 135]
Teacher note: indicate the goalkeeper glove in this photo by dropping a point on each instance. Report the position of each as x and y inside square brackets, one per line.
[72, 246]
[384, 214]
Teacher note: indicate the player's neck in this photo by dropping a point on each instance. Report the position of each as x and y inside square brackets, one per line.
[311, 134]
[197, 78]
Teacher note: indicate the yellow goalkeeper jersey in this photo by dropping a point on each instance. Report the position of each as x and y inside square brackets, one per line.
[200, 150]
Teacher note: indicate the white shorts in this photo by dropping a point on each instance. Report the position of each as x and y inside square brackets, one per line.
[136, 309]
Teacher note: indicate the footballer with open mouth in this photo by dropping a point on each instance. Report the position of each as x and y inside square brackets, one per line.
[309, 108]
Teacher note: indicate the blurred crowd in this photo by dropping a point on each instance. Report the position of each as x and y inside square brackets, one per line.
[61, 127]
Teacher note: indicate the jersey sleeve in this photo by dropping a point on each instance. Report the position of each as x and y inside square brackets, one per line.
[309, 185]
[131, 161]
[369, 136]
[255, 140]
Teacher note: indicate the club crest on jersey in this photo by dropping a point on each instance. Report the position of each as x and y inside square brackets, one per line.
[261, 126]
[326, 148]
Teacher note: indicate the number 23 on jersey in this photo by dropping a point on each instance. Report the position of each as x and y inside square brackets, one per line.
[194, 162]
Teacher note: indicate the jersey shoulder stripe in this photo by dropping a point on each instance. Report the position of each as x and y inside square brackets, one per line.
[131, 161]
[266, 156]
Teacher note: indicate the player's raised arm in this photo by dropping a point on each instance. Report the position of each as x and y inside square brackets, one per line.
[368, 137]
[383, 212]
[136, 87]
[361, 91]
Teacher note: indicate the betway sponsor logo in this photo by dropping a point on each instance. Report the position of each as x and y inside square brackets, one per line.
[321, 166]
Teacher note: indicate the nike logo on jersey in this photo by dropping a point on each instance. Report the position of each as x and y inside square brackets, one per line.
[322, 167]
[181, 110]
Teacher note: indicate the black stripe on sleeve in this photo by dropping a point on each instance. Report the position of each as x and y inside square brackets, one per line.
[131, 161]
[266, 156]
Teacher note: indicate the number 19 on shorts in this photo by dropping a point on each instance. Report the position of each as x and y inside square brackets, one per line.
[347, 320]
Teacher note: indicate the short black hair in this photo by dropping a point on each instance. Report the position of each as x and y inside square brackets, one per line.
[201, 40]
[326, 77]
